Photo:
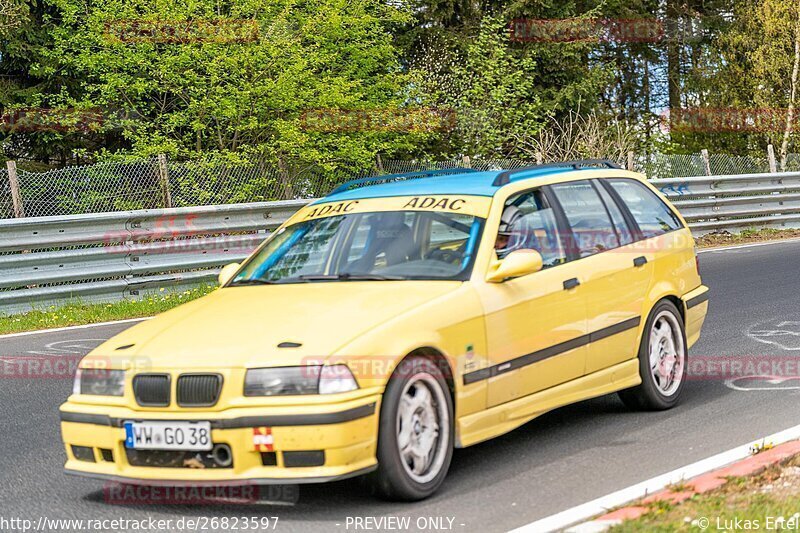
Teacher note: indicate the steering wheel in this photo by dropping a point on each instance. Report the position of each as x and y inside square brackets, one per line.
[445, 256]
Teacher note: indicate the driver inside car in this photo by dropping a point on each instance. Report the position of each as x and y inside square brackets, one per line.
[506, 241]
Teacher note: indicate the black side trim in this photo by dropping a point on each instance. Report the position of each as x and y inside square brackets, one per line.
[297, 420]
[241, 422]
[478, 375]
[697, 300]
[613, 330]
[551, 351]
[81, 418]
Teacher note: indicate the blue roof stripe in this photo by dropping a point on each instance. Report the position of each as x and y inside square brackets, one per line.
[469, 184]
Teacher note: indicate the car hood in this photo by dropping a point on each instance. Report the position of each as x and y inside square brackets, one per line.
[243, 326]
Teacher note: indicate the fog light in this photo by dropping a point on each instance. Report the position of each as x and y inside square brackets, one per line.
[83, 453]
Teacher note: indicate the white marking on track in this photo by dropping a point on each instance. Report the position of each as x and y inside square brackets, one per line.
[772, 380]
[785, 334]
[70, 347]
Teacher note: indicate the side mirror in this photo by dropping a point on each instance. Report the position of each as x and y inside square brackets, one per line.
[227, 273]
[517, 263]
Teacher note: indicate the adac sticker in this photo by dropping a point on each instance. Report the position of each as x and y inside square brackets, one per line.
[326, 210]
[444, 203]
[468, 205]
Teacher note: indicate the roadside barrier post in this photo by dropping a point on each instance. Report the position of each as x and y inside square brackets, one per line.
[16, 197]
[773, 164]
[163, 175]
[706, 161]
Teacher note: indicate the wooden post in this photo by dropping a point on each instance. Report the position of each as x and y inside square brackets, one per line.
[16, 197]
[631, 161]
[465, 162]
[773, 165]
[706, 161]
[379, 164]
[539, 158]
[286, 184]
[163, 174]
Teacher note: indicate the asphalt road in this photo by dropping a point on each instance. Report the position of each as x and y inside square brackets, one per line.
[562, 459]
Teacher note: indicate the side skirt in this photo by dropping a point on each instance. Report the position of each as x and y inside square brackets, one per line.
[495, 421]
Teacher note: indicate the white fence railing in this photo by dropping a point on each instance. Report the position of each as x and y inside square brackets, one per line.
[112, 256]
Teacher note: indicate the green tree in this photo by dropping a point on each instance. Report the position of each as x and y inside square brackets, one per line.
[755, 70]
[189, 96]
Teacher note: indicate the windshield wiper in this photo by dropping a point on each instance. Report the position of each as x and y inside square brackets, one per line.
[371, 277]
[252, 281]
[346, 276]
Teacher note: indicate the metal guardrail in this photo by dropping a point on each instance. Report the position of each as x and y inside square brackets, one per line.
[736, 202]
[112, 256]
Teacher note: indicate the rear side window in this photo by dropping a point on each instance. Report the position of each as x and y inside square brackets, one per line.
[587, 216]
[623, 231]
[650, 212]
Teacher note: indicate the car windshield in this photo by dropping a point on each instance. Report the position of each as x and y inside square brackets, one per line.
[390, 245]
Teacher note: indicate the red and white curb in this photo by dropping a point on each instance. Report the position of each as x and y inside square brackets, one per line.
[698, 485]
[700, 477]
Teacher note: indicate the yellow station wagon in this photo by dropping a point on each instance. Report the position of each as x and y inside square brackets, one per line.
[393, 320]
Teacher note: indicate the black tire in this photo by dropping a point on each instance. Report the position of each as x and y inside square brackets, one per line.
[649, 396]
[391, 480]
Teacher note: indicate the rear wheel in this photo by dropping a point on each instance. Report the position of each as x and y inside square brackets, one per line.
[415, 439]
[662, 361]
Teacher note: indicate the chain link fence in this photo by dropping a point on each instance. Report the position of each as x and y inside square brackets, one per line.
[162, 182]
[657, 166]
[6, 205]
[90, 189]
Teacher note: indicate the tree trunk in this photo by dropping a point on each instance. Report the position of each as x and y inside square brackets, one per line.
[673, 54]
[787, 132]
[286, 182]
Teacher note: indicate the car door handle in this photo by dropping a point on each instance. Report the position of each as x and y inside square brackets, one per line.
[571, 284]
[640, 261]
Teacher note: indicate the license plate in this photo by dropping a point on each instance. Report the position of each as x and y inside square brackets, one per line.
[184, 436]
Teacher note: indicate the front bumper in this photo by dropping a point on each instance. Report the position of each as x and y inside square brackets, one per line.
[346, 434]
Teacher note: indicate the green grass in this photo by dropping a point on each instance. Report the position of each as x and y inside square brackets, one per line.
[78, 313]
[746, 236]
[743, 500]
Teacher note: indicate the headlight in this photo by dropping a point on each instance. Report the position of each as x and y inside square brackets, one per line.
[99, 382]
[295, 380]
[336, 378]
[283, 381]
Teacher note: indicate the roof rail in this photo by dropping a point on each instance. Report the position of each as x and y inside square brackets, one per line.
[354, 184]
[505, 177]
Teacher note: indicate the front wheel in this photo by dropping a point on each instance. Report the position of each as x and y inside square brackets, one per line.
[415, 437]
[662, 361]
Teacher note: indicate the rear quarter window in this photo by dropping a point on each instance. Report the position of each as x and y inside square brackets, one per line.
[649, 211]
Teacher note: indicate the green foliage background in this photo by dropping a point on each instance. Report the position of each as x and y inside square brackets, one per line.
[233, 100]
